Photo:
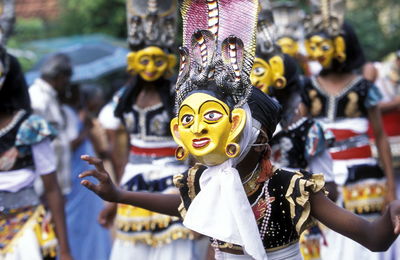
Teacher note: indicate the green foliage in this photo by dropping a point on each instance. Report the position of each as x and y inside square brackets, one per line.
[377, 26]
[94, 16]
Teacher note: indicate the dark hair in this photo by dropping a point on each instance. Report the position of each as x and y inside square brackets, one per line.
[265, 110]
[14, 93]
[133, 88]
[56, 65]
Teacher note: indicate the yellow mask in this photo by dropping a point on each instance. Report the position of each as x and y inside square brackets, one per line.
[151, 63]
[207, 129]
[288, 46]
[324, 50]
[268, 74]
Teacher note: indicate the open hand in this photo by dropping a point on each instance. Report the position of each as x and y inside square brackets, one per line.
[106, 188]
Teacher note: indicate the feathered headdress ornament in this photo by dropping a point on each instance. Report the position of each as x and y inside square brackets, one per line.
[327, 17]
[151, 22]
[219, 42]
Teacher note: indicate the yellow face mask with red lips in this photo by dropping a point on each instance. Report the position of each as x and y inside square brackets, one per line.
[324, 50]
[266, 74]
[151, 63]
[207, 129]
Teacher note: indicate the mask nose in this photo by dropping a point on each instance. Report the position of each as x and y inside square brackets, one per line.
[198, 127]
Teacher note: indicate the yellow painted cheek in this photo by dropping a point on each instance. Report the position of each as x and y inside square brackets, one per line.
[261, 76]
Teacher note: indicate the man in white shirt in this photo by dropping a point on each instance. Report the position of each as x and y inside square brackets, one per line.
[45, 95]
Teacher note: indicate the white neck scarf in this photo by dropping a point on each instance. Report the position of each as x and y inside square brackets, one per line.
[221, 210]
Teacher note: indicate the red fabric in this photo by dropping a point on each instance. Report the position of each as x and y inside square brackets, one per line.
[391, 124]
[353, 153]
[343, 134]
[166, 151]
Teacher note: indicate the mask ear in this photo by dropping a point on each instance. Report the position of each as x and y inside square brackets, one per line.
[232, 149]
[340, 48]
[278, 71]
[131, 61]
[171, 65]
[238, 123]
[181, 152]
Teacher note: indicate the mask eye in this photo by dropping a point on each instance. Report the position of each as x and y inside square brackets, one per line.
[259, 71]
[144, 61]
[212, 116]
[187, 119]
[325, 47]
[159, 63]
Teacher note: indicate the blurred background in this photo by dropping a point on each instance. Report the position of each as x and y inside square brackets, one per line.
[46, 26]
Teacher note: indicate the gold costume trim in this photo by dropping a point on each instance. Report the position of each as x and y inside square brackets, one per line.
[48, 246]
[144, 224]
[364, 197]
[315, 183]
[164, 237]
[182, 210]
[190, 180]
[251, 186]
[239, 249]
[177, 180]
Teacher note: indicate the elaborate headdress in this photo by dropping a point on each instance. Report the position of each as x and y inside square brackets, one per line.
[288, 17]
[327, 17]
[151, 23]
[266, 34]
[218, 48]
[7, 19]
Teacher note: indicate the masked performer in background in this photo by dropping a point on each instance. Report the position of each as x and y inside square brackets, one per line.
[289, 34]
[145, 107]
[26, 154]
[345, 103]
[300, 142]
[224, 124]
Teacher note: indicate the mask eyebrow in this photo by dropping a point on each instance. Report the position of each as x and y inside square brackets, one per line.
[219, 103]
[179, 114]
[213, 101]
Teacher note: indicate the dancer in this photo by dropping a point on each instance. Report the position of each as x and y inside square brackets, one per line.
[26, 154]
[224, 124]
[301, 142]
[144, 106]
[344, 102]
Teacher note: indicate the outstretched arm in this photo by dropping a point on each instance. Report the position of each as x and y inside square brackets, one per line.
[162, 203]
[376, 236]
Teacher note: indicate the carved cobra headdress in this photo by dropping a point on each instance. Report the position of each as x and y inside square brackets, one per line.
[219, 42]
[327, 17]
[151, 22]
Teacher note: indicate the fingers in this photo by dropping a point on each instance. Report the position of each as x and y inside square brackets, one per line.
[89, 185]
[102, 177]
[98, 163]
